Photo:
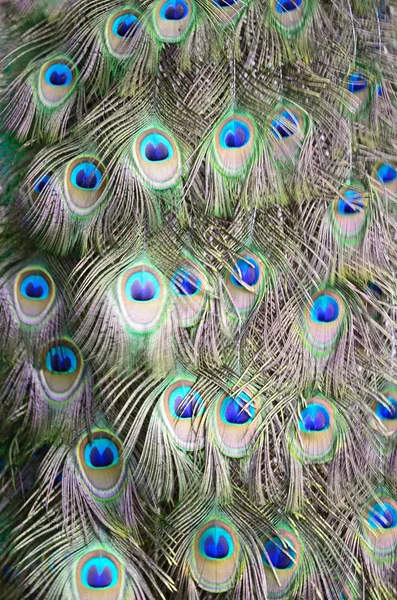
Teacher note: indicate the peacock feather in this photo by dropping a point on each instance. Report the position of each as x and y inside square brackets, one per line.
[198, 284]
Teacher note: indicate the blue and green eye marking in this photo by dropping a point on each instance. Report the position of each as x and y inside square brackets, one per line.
[101, 453]
[122, 33]
[235, 134]
[237, 410]
[185, 283]
[360, 90]
[325, 309]
[315, 417]
[234, 142]
[356, 82]
[125, 26]
[277, 555]
[386, 173]
[41, 183]
[86, 176]
[353, 203]
[157, 158]
[184, 407]
[34, 295]
[215, 556]
[85, 183]
[173, 19]
[285, 125]
[99, 573]
[382, 516]
[388, 411]
[58, 74]
[61, 360]
[287, 6]
[174, 10]
[142, 286]
[247, 270]
[101, 463]
[380, 529]
[155, 147]
[57, 80]
[216, 544]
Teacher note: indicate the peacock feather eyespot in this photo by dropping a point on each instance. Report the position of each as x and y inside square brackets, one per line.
[172, 19]
[99, 574]
[359, 90]
[121, 30]
[227, 10]
[286, 126]
[39, 187]
[182, 411]
[385, 412]
[380, 528]
[34, 295]
[157, 158]
[276, 555]
[215, 556]
[290, 15]
[142, 295]
[57, 80]
[385, 176]
[61, 369]
[188, 287]
[85, 184]
[322, 321]
[233, 144]
[281, 557]
[349, 214]
[246, 282]
[313, 441]
[233, 425]
[101, 463]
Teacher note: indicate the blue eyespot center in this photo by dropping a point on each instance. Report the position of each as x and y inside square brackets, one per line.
[58, 74]
[375, 289]
[86, 176]
[185, 283]
[35, 287]
[325, 309]
[314, 417]
[285, 125]
[155, 147]
[382, 516]
[183, 407]
[237, 410]
[62, 360]
[125, 26]
[42, 183]
[174, 10]
[388, 412]
[101, 453]
[352, 205]
[278, 555]
[216, 543]
[225, 3]
[247, 269]
[356, 82]
[142, 286]
[386, 173]
[285, 6]
[99, 573]
[235, 134]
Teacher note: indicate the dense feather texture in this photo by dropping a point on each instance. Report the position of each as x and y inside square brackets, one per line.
[198, 382]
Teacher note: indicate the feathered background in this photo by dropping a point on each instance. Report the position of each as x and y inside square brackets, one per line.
[198, 283]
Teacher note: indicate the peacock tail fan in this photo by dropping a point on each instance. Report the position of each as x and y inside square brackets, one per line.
[198, 318]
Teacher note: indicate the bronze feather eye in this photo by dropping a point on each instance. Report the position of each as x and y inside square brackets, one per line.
[57, 79]
[62, 369]
[121, 32]
[85, 184]
[34, 295]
